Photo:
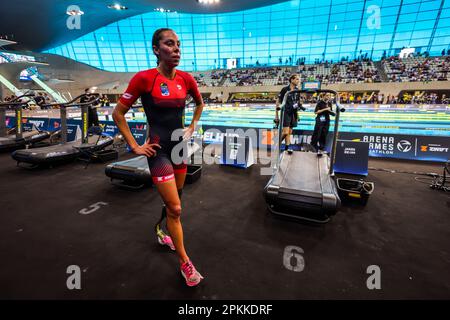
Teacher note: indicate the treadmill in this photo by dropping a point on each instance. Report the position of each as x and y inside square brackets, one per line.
[66, 151]
[134, 173]
[21, 139]
[303, 185]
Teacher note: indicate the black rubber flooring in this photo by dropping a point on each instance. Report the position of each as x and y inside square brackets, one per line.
[233, 241]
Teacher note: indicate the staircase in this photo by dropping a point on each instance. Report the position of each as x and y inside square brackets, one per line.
[43, 85]
[381, 71]
[10, 86]
[224, 78]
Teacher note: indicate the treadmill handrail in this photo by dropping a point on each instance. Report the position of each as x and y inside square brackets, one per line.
[314, 91]
[14, 103]
[73, 101]
[339, 109]
[317, 91]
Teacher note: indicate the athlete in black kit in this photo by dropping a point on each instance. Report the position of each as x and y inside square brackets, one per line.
[163, 92]
[323, 112]
[291, 104]
[92, 110]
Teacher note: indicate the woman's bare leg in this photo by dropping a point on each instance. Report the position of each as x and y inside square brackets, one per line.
[169, 193]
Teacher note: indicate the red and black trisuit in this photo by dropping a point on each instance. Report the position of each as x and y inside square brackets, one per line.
[164, 101]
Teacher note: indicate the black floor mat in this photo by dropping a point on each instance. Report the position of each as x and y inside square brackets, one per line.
[54, 218]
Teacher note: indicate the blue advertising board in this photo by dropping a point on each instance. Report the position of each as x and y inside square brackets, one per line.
[352, 157]
[139, 135]
[425, 148]
[237, 152]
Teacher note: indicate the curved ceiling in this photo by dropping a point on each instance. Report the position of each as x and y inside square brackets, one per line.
[41, 24]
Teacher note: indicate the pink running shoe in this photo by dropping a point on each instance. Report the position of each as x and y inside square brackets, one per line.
[166, 240]
[190, 274]
[163, 238]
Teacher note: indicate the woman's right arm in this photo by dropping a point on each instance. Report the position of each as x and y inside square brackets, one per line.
[146, 149]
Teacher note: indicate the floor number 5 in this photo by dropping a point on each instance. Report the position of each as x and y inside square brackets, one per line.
[94, 207]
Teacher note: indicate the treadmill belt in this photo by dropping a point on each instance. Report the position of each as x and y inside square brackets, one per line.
[138, 163]
[300, 174]
[61, 152]
[302, 182]
[28, 137]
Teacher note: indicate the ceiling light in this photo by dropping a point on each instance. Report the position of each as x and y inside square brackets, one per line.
[164, 10]
[208, 1]
[117, 6]
[75, 12]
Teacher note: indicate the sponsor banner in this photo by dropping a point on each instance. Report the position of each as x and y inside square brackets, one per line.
[74, 122]
[10, 122]
[311, 85]
[137, 125]
[408, 147]
[216, 135]
[27, 126]
[352, 157]
[425, 148]
[40, 123]
[139, 115]
[433, 148]
[54, 124]
[237, 152]
[139, 135]
[72, 132]
[260, 138]
[109, 128]
[27, 123]
[72, 125]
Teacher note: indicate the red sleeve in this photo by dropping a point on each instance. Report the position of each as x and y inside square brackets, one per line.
[193, 88]
[135, 89]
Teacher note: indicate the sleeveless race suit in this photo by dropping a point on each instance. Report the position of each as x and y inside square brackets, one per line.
[163, 101]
